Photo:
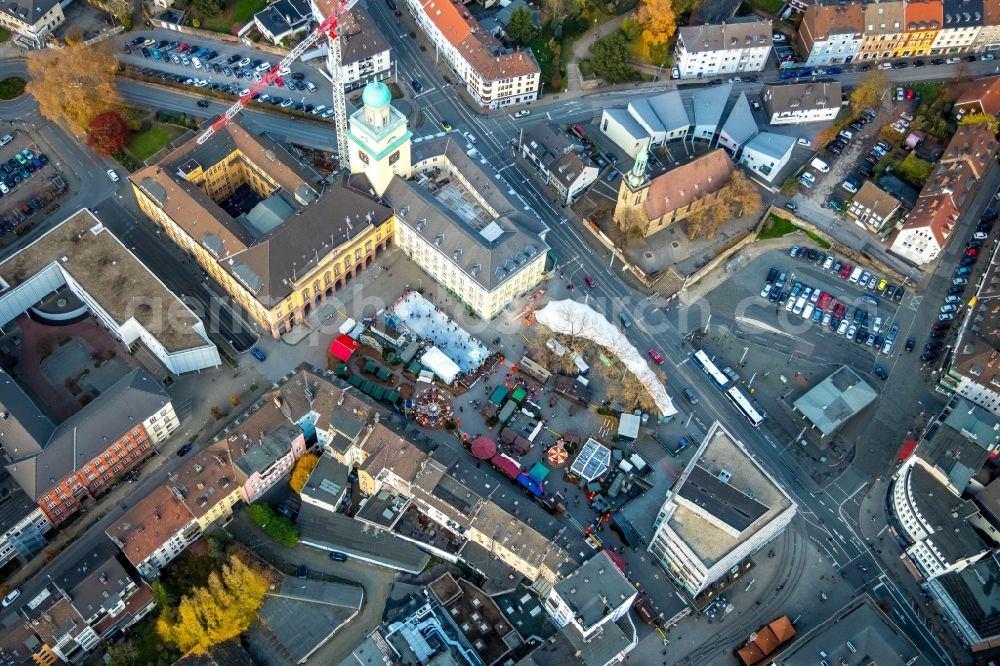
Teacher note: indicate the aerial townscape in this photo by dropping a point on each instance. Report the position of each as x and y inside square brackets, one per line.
[499, 332]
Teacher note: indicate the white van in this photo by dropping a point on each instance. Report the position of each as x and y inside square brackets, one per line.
[856, 273]
[807, 312]
[820, 165]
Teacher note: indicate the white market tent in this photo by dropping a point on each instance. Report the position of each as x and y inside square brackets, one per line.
[573, 318]
[442, 366]
[593, 461]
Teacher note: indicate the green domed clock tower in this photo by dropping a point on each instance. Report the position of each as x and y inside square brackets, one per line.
[379, 138]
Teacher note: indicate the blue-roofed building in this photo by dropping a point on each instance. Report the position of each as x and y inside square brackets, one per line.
[739, 128]
[643, 114]
[619, 126]
[670, 109]
[709, 105]
[767, 153]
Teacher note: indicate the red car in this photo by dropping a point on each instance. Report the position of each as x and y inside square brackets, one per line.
[845, 272]
[824, 298]
[972, 252]
[832, 305]
[183, 47]
[655, 355]
[841, 309]
[278, 82]
[591, 282]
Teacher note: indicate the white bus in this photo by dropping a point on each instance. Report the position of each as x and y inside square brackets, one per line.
[702, 360]
[745, 407]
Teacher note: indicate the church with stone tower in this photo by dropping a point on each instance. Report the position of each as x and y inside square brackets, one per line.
[650, 205]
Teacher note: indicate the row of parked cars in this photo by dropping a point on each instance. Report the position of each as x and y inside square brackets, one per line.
[19, 169]
[959, 282]
[854, 274]
[234, 89]
[822, 307]
[208, 60]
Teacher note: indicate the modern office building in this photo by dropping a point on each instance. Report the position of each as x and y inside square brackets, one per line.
[722, 509]
[98, 276]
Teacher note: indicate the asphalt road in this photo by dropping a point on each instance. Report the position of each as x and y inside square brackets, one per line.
[823, 511]
[224, 319]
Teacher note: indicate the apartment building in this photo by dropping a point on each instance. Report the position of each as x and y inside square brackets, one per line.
[723, 509]
[32, 20]
[157, 529]
[922, 23]
[839, 33]
[264, 447]
[794, 103]
[494, 76]
[285, 254]
[654, 205]
[365, 53]
[954, 180]
[738, 45]
[85, 455]
[281, 20]
[831, 34]
[960, 27]
[988, 38]
[884, 28]
[595, 594]
[206, 484]
[23, 525]
[560, 161]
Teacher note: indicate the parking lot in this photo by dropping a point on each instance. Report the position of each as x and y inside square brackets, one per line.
[830, 301]
[25, 180]
[225, 68]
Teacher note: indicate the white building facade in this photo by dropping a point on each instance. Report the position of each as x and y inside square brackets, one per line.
[728, 48]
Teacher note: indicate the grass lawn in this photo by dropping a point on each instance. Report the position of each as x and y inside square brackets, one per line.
[238, 11]
[769, 6]
[777, 227]
[145, 144]
[4, 34]
[11, 87]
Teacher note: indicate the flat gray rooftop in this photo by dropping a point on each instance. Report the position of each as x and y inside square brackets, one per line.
[721, 500]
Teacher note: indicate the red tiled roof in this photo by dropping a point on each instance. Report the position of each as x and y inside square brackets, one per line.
[984, 93]
[820, 21]
[936, 213]
[149, 524]
[924, 15]
[685, 184]
[476, 44]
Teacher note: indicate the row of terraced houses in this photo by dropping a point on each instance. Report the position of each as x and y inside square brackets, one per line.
[841, 33]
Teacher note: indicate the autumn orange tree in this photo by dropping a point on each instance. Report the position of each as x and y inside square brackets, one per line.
[74, 85]
[658, 21]
[214, 614]
[868, 94]
[303, 468]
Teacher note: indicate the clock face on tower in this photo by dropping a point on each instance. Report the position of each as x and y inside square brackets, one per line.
[394, 157]
[363, 157]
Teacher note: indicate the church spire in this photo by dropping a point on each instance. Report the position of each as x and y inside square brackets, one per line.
[637, 176]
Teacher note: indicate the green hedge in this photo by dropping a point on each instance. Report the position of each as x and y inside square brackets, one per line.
[276, 526]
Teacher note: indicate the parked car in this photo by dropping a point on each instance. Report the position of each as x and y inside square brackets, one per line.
[9, 599]
[655, 355]
[112, 175]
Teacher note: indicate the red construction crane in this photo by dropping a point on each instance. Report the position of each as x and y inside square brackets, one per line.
[328, 28]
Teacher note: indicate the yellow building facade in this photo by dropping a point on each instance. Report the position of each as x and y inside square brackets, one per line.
[220, 250]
